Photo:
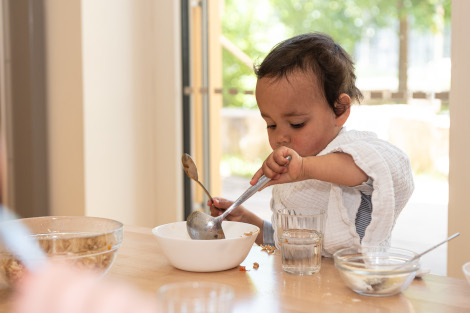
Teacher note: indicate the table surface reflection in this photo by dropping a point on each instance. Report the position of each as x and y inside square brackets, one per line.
[270, 289]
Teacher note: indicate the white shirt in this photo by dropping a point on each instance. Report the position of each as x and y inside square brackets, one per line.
[389, 170]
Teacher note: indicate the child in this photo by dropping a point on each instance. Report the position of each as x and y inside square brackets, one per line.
[304, 92]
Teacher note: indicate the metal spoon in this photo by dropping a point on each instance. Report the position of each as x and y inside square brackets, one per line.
[205, 227]
[18, 240]
[190, 169]
[428, 250]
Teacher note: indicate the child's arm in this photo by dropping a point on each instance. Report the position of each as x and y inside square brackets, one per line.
[240, 214]
[338, 168]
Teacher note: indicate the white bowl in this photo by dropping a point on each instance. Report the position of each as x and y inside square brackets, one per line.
[466, 271]
[206, 255]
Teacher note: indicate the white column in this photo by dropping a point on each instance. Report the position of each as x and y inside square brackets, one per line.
[132, 110]
[458, 251]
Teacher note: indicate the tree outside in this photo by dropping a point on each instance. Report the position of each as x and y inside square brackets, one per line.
[254, 27]
[397, 46]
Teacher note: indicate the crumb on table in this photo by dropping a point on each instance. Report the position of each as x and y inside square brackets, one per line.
[269, 249]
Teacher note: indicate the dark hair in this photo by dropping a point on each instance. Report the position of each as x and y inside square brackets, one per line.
[318, 53]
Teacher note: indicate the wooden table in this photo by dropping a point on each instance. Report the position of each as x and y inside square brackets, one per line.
[269, 289]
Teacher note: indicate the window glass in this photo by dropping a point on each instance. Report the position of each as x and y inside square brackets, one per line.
[402, 54]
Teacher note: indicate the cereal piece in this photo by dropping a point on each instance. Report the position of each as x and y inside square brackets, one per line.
[251, 233]
[242, 269]
[255, 265]
[269, 249]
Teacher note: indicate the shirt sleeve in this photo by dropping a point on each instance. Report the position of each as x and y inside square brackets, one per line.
[366, 187]
[268, 233]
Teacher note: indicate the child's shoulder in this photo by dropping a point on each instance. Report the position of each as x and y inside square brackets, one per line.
[347, 136]
[359, 141]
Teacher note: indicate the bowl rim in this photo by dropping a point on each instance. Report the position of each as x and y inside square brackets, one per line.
[7, 254]
[341, 263]
[119, 225]
[312, 212]
[119, 228]
[155, 230]
[466, 269]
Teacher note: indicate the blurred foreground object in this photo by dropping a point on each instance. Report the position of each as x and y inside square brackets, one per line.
[87, 242]
[61, 288]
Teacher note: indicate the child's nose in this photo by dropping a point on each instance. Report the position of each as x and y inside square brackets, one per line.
[282, 139]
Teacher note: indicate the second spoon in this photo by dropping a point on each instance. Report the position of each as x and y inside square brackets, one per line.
[190, 169]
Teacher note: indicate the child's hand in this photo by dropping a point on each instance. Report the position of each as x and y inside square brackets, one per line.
[221, 204]
[279, 169]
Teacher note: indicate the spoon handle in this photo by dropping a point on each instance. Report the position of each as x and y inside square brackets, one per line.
[434, 247]
[205, 190]
[247, 194]
[424, 252]
[17, 239]
[262, 181]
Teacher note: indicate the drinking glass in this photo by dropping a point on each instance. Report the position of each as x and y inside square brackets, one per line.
[195, 297]
[301, 239]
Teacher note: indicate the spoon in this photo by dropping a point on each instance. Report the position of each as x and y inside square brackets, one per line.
[428, 250]
[190, 169]
[376, 283]
[205, 227]
[18, 240]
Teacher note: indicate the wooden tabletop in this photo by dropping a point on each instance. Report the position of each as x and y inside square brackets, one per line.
[270, 289]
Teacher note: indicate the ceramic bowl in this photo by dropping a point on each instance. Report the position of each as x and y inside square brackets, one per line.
[86, 242]
[376, 271]
[206, 255]
[466, 271]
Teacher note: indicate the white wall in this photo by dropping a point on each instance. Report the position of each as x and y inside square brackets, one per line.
[458, 251]
[127, 93]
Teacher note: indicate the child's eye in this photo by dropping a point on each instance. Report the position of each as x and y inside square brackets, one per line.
[271, 126]
[297, 125]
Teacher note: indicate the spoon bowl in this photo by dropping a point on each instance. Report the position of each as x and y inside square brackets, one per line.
[209, 231]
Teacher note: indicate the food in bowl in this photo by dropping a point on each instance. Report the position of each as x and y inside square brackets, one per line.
[376, 271]
[206, 255]
[87, 242]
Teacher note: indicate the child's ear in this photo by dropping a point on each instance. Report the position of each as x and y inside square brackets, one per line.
[343, 107]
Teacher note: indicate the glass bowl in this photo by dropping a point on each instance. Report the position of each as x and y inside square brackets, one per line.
[376, 271]
[87, 242]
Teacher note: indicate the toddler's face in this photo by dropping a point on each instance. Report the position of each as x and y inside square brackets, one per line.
[296, 113]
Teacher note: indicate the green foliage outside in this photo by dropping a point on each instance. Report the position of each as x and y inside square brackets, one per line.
[256, 26]
[240, 166]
